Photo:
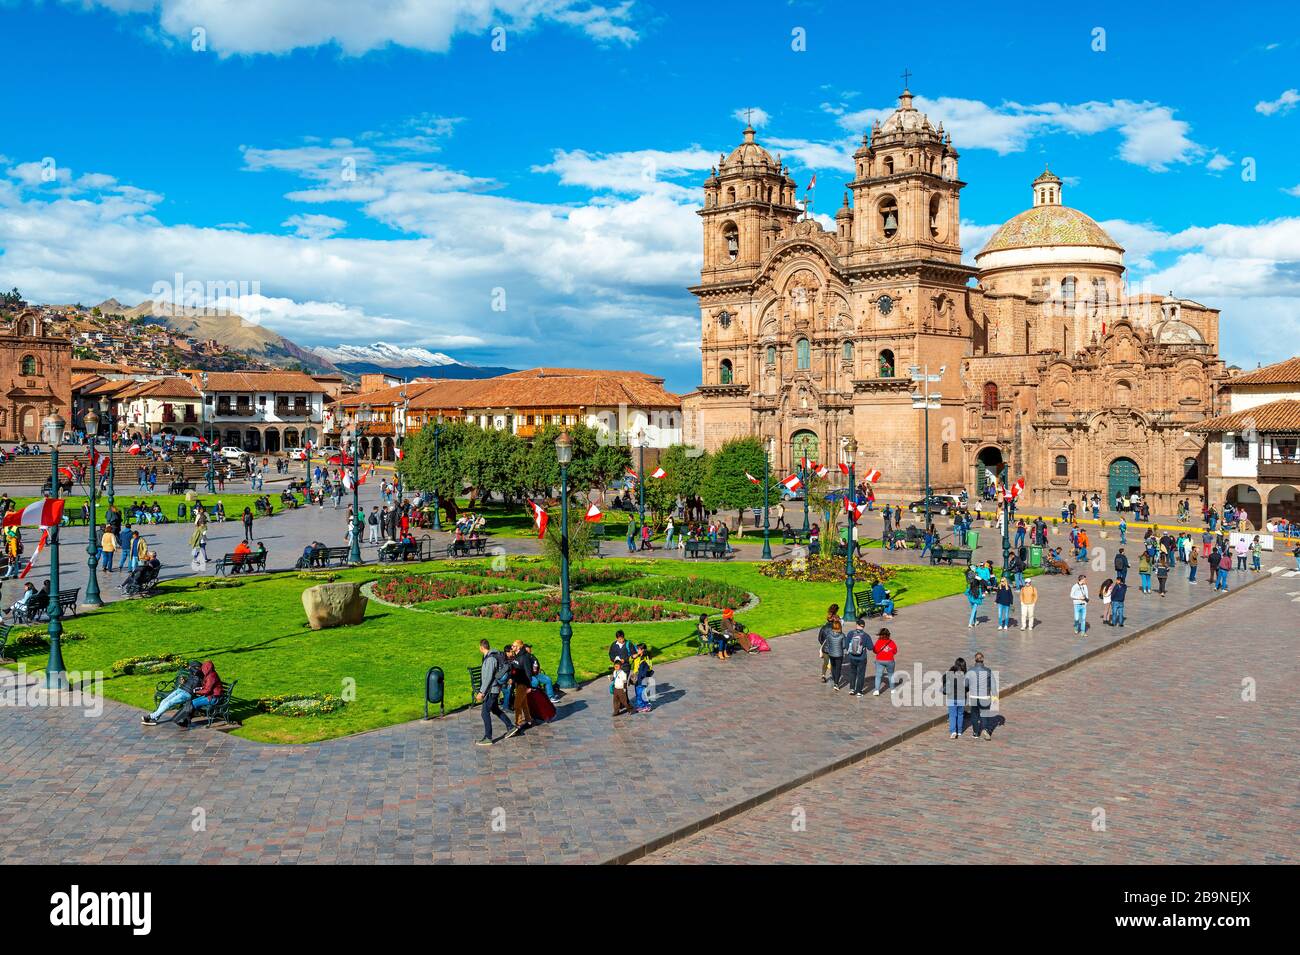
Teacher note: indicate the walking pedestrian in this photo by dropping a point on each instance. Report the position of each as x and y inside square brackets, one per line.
[885, 650]
[1117, 595]
[1162, 572]
[975, 597]
[832, 616]
[248, 524]
[954, 695]
[1079, 597]
[1144, 572]
[493, 675]
[981, 691]
[1028, 601]
[618, 689]
[1004, 598]
[834, 650]
[857, 645]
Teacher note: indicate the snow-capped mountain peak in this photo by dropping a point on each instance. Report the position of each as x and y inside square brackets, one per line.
[382, 353]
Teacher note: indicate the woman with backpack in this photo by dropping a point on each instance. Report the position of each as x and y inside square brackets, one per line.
[975, 597]
[641, 674]
[954, 695]
[1162, 572]
[1144, 571]
[1004, 598]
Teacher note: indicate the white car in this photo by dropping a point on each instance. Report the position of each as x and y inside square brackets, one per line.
[234, 454]
[297, 454]
[324, 454]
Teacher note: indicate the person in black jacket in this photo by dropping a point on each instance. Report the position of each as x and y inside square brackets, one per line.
[621, 650]
[1121, 564]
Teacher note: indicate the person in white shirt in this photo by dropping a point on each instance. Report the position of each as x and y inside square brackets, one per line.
[1079, 594]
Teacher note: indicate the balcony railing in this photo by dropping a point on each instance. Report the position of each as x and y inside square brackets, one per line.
[1279, 470]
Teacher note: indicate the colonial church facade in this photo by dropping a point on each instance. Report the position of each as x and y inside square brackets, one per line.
[1044, 364]
[35, 377]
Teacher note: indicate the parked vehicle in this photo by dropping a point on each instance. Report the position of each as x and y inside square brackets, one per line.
[234, 454]
[297, 454]
[939, 503]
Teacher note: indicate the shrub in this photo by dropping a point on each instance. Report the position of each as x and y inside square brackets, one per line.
[585, 610]
[413, 589]
[156, 663]
[217, 583]
[825, 569]
[37, 638]
[171, 607]
[687, 590]
[321, 577]
[300, 704]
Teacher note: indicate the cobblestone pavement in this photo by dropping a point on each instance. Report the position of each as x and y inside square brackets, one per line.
[1155, 735]
[80, 788]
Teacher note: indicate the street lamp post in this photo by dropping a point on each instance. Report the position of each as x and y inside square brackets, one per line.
[767, 473]
[1006, 518]
[924, 400]
[640, 469]
[565, 677]
[203, 404]
[437, 430]
[112, 439]
[93, 598]
[400, 433]
[358, 433]
[56, 677]
[805, 473]
[850, 454]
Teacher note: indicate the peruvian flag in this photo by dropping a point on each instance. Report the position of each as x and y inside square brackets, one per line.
[400, 454]
[872, 476]
[633, 475]
[844, 468]
[46, 512]
[40, 545]
[1013, 492]
[659, 473]
[99, 462]
[593, 514]
[812, 183]
[752, 479]
[803, 463]
[134, 449]
[792, 483]
[820, 470]
[853, 508]
[540, 518]
[67, 472]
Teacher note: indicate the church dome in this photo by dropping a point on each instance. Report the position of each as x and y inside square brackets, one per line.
[749, 153]
[1049, 225]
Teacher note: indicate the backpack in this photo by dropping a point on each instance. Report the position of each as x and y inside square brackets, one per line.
[855, 644]
[502, 675]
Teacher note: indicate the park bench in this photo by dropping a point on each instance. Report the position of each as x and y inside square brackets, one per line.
[68, 601]
[337, 555]
[217, 709]
[235, 564]
[706, 549]
[391, 551]
[791, 536]
[949, 555]
[5, 630]
[180, 486]
[464, 548]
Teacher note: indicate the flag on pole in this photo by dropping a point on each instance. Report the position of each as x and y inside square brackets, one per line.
[872, 476]
[752, 479]
[67, 472]
[40, 545]
[659, 473]
[1014, 490]
[633, 475]
[853, 508]
[99, 462]
[820, 470]
[46, 512]
[792, 483]
[812, 183]
[844, 468]
[134, 448]
[540, 518]
[593, 514]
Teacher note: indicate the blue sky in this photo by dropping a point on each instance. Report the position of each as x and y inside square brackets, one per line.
[381, 172]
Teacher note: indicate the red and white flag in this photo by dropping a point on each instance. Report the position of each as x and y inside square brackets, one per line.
[99, 462]
[792, 483]
[871, 477]
[593, 514]
[633, 475]
[844, 468]
[853, 508]
[40, 546]
[1013, 492]
[659, 473]
[67, 472]
[812, 183]
[540, 518]
[820, 470]
[752, 479]
[400, 454]
[134, 449]
[46, 512]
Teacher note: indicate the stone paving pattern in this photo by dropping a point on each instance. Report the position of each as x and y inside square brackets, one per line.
[106, 790]
[1155, 733]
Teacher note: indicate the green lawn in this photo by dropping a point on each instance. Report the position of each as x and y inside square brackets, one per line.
[234, 503]
[258, 634]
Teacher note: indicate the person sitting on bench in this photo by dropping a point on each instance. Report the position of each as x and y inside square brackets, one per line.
[240, 556]
[200, 689]
[880, 597]
[143, 575]
[28, 604]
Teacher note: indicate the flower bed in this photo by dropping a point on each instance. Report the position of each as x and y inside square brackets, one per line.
[158, 663]
[585, 610]
[414, 589]
[170, 607]
[687, 590]
[578, 579]
[825, 569]
[300, 704]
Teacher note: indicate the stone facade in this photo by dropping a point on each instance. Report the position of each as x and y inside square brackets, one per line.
[35, 378]
[808, 335]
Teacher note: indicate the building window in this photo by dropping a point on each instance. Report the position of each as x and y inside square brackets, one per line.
[771, 354]
[888, 217]
[1062, 466]
[886, 364]
[848, 352]
[1067, 289]
[803, 354]
[731, 237]
[1191, 470]
[943, 453]
[29, 364]
[990, 396]
[1240, 447]
[725, 372]
[935, 208]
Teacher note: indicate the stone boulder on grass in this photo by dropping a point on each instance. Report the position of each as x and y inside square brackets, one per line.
[334, 605]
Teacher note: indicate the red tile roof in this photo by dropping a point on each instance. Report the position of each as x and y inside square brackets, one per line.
[1274, 417]
[1282, 373]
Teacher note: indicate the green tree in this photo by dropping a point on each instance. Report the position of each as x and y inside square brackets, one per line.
[581, 543]
[443, 475]
[727, 488]
[685, 470]
[489, 459]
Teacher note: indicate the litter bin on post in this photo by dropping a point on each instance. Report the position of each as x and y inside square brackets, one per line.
[1035, 556]
[433, 691]
[973, 539]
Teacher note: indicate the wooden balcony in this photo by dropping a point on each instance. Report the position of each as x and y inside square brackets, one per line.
[1279, 471]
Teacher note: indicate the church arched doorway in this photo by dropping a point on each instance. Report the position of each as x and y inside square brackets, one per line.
[1124, 478]
[29, 425]
[803, 444]
[1245, 499]
[988, 460]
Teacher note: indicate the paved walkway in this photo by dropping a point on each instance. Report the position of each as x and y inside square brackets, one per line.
[1153, 739]
[104, 789]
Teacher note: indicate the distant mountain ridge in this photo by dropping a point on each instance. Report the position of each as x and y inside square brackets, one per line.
[403, 362]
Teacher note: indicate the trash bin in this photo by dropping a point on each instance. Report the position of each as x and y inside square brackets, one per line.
[973, 539]
[1035, 556]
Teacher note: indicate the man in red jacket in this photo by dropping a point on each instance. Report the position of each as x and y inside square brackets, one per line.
[208, 692]
[885, 649]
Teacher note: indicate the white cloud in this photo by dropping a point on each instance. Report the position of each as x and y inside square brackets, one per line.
[756, 117]
[815, 155]
[1293, 191]
[1218, 162]
[632, 173]
[312, 226]
[1150, 135]
[1283, 104]
[279, 26]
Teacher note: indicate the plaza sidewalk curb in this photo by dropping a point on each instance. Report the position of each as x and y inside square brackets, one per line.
[753, 802]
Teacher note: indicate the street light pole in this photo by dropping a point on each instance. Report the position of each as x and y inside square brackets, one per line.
[850, 453]
[767, 473]
[925, 400]
[565, 676]
[203, 404]
[56, 677]
[437, 430]
[1006, 518]
[804, 475]
[93, 599]
[112, 437]
[640, 483]
[401, 436]
[363, 414]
